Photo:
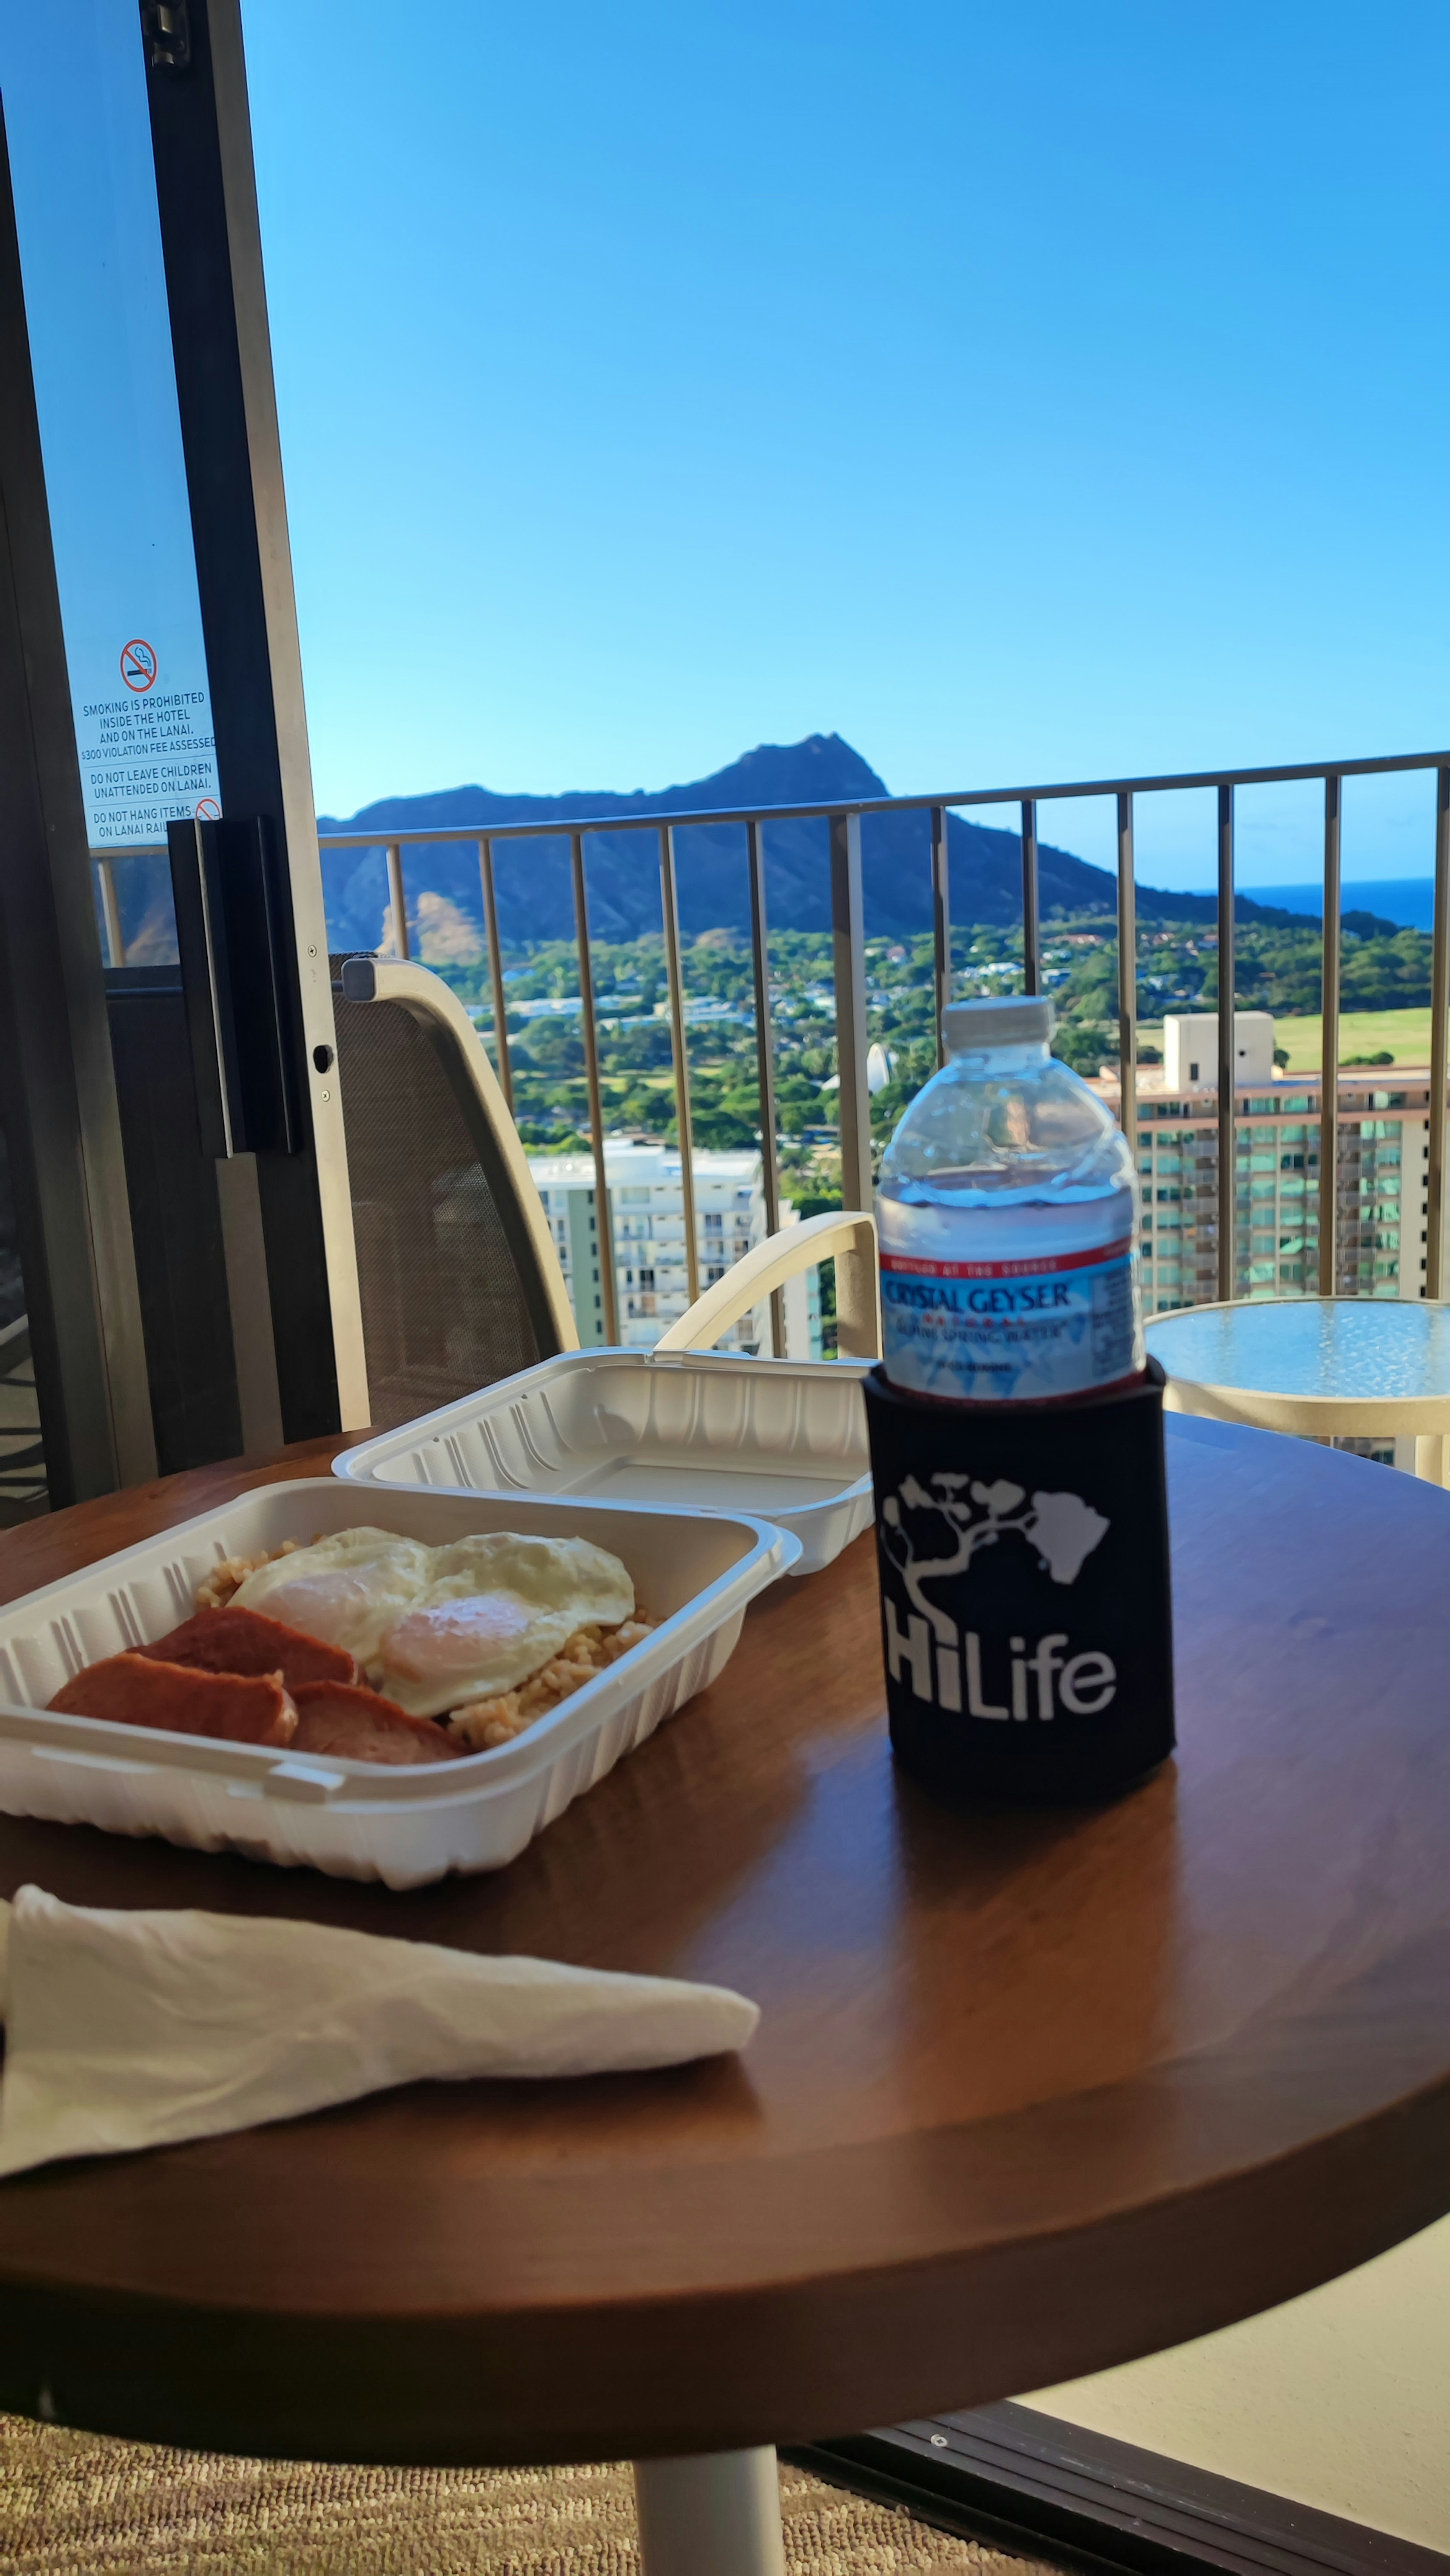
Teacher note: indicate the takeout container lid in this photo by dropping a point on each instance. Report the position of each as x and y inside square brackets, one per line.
[694, 1572]
[690, 1430]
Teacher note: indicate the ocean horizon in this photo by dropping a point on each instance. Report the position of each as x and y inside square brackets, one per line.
[1409, 902]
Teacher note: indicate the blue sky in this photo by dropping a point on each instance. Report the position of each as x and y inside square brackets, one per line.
[1021, 394]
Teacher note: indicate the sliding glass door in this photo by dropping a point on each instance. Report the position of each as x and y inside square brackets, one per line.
[166, 731]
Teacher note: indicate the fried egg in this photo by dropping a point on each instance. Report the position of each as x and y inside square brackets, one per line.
[495, 1609]
[434, 1627]
[348, 1588]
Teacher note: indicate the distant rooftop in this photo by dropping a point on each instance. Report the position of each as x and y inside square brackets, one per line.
[627, 1161]
[1286, 1088]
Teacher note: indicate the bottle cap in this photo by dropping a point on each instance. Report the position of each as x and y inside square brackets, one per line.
[997, 1019]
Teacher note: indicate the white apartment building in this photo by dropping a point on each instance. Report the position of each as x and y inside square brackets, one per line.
[1381, 1175]
[647, 1223]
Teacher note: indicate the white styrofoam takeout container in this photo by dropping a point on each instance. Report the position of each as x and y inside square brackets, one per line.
[402, 1824]
[692, 1430]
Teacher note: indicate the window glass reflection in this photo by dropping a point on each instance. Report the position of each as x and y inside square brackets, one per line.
[78, 129]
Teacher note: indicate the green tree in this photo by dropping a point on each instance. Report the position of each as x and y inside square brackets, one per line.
[1084, 1044]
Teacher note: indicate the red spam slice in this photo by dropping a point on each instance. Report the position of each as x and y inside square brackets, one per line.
[134, 1690]
[362, 1726]
[244, 1641]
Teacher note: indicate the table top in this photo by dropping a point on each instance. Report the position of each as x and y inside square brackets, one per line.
[1032, 2093]
[1362, 1349]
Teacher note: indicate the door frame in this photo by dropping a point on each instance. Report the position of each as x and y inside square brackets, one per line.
[57, 1083]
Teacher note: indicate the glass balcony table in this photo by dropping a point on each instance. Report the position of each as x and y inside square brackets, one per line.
[1329, 1367]
[1033, 2092]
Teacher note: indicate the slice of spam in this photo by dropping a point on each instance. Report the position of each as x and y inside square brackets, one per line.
[245, 1641]
[360, 1725]
[135, 1690]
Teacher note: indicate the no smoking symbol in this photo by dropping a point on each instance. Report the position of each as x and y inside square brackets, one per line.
[138, 664]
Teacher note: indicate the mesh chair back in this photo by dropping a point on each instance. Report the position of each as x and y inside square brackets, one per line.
[453, 1296]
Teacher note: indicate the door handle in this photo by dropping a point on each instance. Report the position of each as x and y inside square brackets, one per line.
[228, 937]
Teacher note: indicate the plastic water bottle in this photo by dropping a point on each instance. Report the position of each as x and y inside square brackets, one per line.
[1008, 1217]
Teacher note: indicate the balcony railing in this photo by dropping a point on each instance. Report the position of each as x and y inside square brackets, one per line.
[843, 822]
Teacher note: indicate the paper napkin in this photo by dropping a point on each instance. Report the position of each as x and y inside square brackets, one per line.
[133, 2030]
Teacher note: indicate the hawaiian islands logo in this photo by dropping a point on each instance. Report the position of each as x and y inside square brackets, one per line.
[1062, 1527]
[1064, 1530]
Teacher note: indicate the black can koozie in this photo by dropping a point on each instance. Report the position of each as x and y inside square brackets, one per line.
[1025, 1604]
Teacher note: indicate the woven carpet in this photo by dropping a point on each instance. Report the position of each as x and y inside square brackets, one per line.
[74, 2505]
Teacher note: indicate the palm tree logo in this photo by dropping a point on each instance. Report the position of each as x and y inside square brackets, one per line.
[1062, 1527]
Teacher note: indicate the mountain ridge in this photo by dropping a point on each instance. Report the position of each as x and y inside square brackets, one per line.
[623, 877]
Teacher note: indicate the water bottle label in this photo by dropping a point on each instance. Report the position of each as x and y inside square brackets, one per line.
[1009, 1331]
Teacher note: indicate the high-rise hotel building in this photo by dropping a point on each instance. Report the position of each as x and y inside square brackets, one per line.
[1380, 1179]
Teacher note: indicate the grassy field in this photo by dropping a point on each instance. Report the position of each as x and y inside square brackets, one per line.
[1405, 1033]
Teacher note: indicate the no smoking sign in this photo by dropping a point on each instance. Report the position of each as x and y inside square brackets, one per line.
[138, 664]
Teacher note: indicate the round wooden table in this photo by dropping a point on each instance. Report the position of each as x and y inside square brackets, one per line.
[1032, 2094]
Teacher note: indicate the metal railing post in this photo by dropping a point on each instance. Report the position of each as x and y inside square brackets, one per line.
[1439, 1009]
[603, 1229]
[495, 971]
[680, 1054]
[1329, 1048]
[848, 944]
[1031, 925]
[1127, 978]
[111, 913]
[397, 898]
[1227, 1064]
[941, 919]
[765, 1063]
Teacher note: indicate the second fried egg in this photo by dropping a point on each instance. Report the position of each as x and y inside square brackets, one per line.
[496, 1608]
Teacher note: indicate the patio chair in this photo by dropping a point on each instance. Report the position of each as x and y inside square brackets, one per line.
[849, 1238]
[22, 1451]
[459, 1278]
[460, 1281]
